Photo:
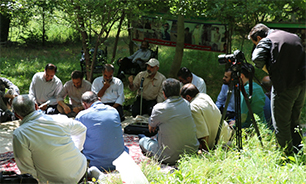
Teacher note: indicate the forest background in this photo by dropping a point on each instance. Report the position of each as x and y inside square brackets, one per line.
[42, 32]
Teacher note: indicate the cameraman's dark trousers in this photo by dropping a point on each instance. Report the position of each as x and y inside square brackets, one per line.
[286, 109]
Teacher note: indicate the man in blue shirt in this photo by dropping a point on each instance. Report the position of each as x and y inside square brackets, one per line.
[220, 103]
[104, 140]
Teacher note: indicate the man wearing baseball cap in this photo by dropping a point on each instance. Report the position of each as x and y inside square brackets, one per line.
[151, 82]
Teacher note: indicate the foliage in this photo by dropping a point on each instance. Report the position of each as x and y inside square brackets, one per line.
[92, 16]
[241, 16]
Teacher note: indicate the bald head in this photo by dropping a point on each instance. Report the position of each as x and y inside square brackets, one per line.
[89, 98]
[189, 91]
[23, 105]
[267, 83]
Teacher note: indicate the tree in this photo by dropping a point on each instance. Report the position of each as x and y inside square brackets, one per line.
[241, 16]
[92, 16]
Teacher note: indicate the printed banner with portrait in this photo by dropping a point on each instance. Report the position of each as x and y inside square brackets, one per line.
[199, 36]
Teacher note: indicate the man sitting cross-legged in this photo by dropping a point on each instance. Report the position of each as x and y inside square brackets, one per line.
[177, 130]
[104, 140]
[74, 89]
[48, 146]
[206, 116]
[151, 81]
[45, 87]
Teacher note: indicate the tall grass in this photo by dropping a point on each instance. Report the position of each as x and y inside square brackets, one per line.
[253, 164]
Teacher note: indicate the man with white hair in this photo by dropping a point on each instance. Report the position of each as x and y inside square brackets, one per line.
[151, 83]
[48, 146]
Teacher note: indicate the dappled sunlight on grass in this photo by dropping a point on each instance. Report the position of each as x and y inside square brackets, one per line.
[253, 164]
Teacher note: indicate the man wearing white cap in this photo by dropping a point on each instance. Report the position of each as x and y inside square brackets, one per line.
[151, 81]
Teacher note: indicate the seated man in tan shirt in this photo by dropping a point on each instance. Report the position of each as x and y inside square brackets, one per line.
[152, 88]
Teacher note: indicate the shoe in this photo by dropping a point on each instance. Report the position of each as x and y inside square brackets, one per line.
[140, 136]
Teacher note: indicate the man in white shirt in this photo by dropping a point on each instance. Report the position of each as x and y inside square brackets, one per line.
[74, 89]
[48, 147]
[109, 89]
[137, 60]
[44, 88]
[185, 76]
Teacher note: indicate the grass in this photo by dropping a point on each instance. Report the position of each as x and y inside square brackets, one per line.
[253, 164]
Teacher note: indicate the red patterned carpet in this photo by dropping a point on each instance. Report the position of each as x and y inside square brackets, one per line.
[7, 162]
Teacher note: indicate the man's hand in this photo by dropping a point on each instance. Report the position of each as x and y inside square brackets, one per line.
[7, 95]
[43, 106]
[131, 79]
[66, 108]
[106, 84]
[77, 109]
[152, 129]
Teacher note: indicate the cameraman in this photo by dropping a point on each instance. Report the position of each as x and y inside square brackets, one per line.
[282, 56]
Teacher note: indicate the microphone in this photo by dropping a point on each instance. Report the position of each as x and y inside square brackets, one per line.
[141, 83]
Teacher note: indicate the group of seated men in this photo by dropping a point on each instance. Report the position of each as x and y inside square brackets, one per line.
[185, 117]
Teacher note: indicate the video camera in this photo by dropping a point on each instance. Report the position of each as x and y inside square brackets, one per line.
[231, 58]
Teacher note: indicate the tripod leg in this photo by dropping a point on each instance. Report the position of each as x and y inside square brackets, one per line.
[229, 93]
[251, 115]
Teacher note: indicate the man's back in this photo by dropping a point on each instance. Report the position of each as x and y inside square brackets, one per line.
[207, 118]
[43, 147]
[199, 83]
[104, 140]
[288, 65]
[257, 103]
[177, 132]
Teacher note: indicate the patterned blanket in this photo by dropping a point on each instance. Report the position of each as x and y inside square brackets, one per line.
[7, 161]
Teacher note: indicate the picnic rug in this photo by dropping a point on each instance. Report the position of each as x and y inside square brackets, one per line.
[7, 161]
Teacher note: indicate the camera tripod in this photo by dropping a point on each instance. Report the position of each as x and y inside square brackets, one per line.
[237, 86]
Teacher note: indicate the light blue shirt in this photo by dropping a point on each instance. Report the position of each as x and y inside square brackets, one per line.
[143, 55]
[113, 94]
[104, 139]
[222, 98]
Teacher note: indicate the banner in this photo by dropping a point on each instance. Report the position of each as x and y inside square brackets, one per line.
[198, 36]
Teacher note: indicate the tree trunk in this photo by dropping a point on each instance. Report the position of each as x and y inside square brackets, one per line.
[4, 26]
[131, 44]
[117, 36]
[179, 49]
[44, 30]
[85, 48]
